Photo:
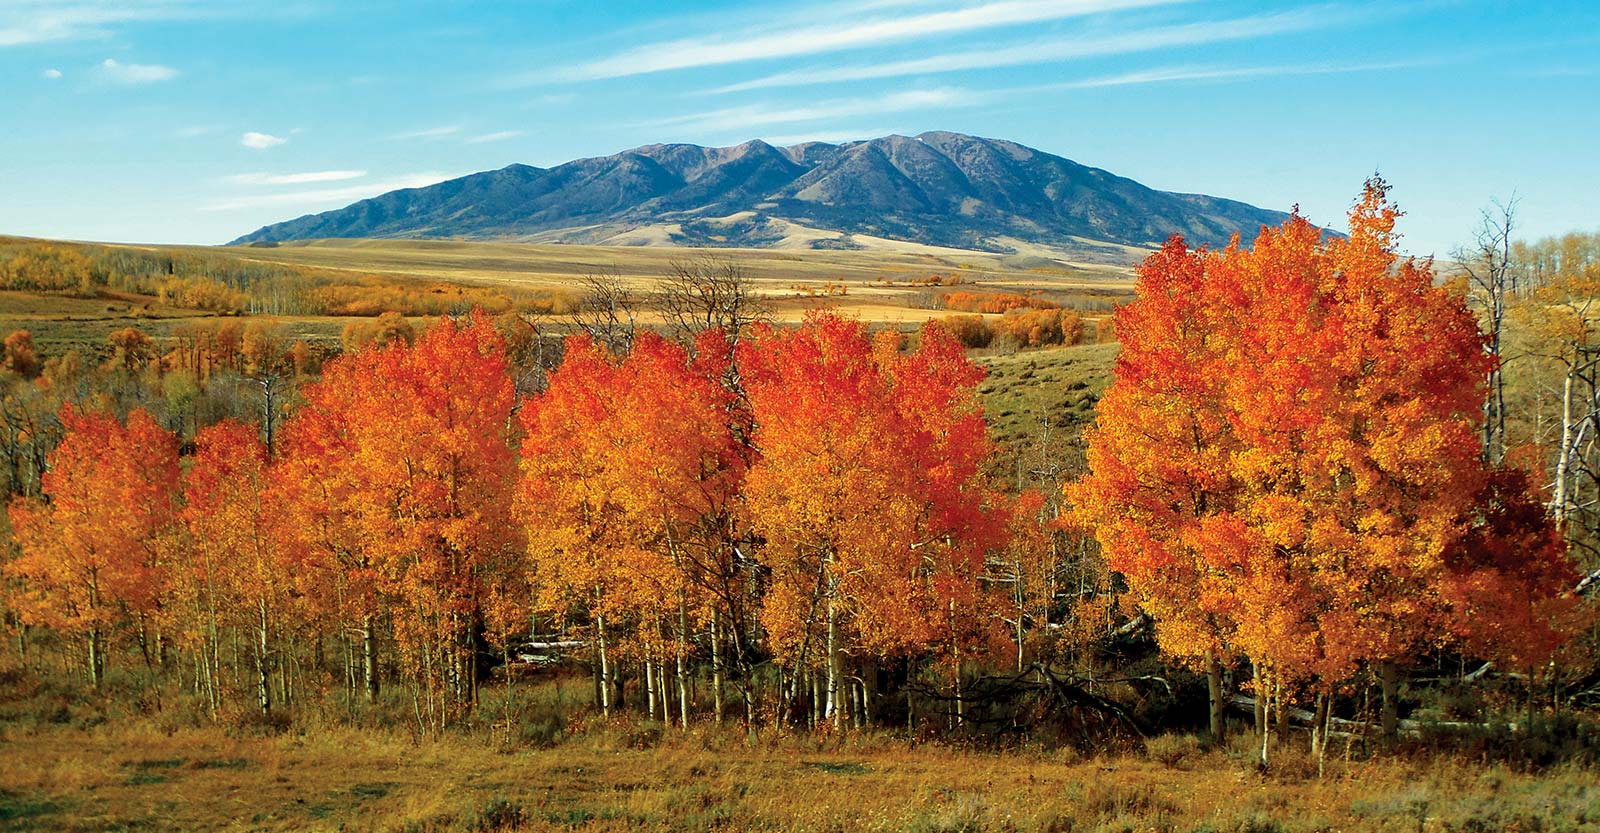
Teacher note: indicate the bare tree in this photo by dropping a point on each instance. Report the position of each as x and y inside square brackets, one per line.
[608, 312]
[709, 293]
[697, 295]
[1492, 280]
[533, 349]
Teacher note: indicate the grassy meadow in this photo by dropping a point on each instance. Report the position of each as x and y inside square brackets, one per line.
[533, 763]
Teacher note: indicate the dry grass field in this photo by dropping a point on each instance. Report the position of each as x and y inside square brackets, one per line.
[879, 285]
[160, 771]
[60, 322]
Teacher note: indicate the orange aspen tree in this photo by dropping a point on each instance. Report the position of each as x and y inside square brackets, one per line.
[337, 575]
[1159, 459]
[627, 464]
[91, 554]
[685, 469]
[1344, 388]
[579, 542]
[868, 493]
[404, 462]
[234, 568]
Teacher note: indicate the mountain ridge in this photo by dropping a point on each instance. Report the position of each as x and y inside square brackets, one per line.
[937, 188]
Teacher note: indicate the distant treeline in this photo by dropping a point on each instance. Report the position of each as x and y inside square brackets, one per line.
[226, 283]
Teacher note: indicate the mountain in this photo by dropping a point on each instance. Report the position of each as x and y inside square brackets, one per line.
[936, 189]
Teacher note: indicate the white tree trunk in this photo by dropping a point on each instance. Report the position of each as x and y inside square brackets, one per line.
[605, 666]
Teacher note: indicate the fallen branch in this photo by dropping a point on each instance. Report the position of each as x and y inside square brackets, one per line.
[1407, 727]
[1132, 625]
[988, 690]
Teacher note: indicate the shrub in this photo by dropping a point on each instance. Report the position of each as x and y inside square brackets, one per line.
[970, 330]
[1040, 327]
[1174, 751]
[992, 302]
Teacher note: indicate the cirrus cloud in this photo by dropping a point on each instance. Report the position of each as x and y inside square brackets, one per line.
[761, 115]
[260, 141]
[122, 73]
[498, 136]
[292, 179]
[833, 36]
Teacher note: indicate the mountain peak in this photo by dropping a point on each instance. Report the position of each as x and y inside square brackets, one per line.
[937, 188]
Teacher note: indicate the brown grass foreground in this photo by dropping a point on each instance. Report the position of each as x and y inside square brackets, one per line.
[158, 772]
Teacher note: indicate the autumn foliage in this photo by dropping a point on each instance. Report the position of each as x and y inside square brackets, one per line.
[1288, 467]
[1287, 478]
[94, 554]
[629, 470]
[398, 472]
[992, 302]
[867, 492]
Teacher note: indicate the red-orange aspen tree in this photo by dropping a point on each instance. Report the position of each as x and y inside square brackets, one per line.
[404, 462]
[867, 490]
[234, 567]
[1159, 459]
[91, 553]
[1343, 386]
[625, 462]
[1509, 583]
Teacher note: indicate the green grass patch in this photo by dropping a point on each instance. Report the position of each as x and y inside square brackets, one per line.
[22, 812]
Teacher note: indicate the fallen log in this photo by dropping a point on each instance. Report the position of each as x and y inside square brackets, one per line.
[1339, 726]
[1071, 693]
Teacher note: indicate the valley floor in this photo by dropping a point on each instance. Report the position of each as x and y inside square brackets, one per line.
[136, 776]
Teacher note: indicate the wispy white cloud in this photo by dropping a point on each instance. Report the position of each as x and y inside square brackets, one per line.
[1556, 72]
[757, 115]
[498, 136]
[327, 197]
[195, 130]
[26, 22]
[51, 74]
[40, 21]
[429, 133]
[260, 141]
[1087, 45]
[835, 36]
[1165, 75]
[136, 73]
[292, 179]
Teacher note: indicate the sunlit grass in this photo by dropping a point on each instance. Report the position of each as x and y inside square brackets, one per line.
[152, 770]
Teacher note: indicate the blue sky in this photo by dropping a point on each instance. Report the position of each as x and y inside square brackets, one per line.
[194, 121]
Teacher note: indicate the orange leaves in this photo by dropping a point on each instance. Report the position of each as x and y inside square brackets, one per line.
[235, 520]
[623, 461]
[399, 470]
[95, 548]
[1290, 446]
[867, 486]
